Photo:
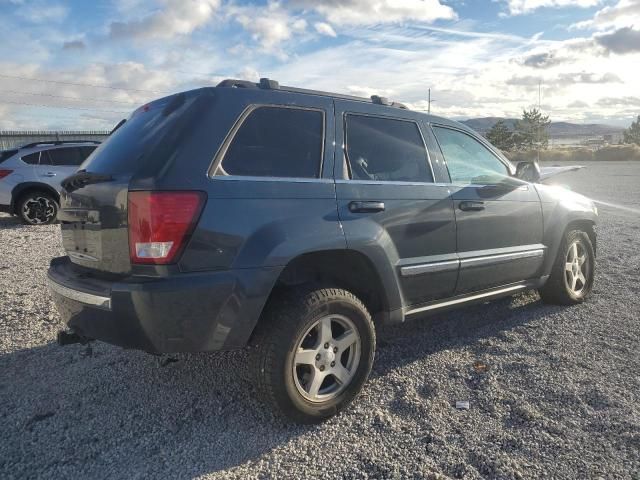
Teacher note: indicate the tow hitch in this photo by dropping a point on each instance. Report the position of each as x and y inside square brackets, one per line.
[69, 337]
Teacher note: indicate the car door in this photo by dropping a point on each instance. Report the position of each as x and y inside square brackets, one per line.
[499, 218]
[58, 163]
[388, 203]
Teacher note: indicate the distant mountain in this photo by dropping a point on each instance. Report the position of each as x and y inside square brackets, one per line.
[556, 129]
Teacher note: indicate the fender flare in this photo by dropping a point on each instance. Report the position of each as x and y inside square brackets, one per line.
[19, 189]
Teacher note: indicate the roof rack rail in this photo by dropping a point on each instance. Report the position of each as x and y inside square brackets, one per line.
[378, 100]
[264, 83]
[268, 84]
[59, 142]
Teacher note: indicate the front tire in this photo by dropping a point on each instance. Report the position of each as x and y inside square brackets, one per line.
[313, 352]
[37, 208]
[571, 279]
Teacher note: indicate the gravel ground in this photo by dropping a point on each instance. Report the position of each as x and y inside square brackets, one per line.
[554, 392]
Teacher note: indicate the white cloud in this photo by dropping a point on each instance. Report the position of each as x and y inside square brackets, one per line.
[173, 18]
[622, 41]
[370, 12]
[625, 13]
[39, 12]
[519, 7]
[325, 29]
[269, 26]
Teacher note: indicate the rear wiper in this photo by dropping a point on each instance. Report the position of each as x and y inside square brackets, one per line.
[82, 178]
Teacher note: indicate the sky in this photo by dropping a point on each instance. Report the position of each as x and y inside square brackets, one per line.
[81, 65]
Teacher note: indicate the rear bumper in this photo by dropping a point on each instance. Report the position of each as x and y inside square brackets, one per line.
[188, 312]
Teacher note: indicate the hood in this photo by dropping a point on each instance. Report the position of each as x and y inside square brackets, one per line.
[548, 172]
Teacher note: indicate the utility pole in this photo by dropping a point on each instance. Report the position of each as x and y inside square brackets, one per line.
[429, 102]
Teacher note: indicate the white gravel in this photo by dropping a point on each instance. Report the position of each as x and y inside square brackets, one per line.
[554, 392]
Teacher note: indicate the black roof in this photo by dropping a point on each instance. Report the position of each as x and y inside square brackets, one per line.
[268, 84]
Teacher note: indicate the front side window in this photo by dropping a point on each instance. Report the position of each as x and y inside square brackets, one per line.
[468, 161]
[386, 149]
[276, 142]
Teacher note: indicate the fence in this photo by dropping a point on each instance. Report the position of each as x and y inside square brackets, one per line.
[10, 139]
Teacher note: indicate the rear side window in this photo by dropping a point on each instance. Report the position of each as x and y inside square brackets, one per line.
[276, 142]
[64, 157]
[32, 158]
[386, 149]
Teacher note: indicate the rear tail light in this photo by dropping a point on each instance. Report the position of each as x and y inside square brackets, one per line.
[4, 173]
[160, 224]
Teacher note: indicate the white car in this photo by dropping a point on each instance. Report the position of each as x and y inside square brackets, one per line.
[30, 177]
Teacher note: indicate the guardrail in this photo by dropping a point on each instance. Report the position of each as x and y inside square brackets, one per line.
[12, 139]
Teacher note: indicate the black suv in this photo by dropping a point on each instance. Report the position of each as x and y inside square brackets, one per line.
[297, 221]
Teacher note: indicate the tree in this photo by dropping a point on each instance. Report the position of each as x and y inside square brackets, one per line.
[531, 131]
[500, 136]
[632, 134]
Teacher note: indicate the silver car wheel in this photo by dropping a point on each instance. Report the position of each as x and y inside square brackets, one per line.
[326, 358]
[577, 268]
[37, 210]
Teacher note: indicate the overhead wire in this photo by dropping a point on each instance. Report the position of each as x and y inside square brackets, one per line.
[60, 106]
[16, 92]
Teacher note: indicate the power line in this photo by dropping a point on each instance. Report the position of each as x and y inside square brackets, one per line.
[77, 84]
[68, 108]
[69, 98]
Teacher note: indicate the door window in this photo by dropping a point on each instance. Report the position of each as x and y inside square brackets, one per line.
[468, 161]
[386, 149]
[276, 142]
[63, 157]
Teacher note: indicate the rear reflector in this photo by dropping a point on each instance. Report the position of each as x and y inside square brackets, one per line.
[160, 224]
[4, 173]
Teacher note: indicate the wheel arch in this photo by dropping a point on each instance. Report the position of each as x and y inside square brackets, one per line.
[22, 188]
[587, 226]
[557, 233]
[343, 268]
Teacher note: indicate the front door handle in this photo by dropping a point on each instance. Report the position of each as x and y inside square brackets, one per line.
[470, 206]
[366, 207]
[50, 174]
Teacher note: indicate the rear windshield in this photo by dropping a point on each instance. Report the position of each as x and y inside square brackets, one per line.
[6, 154]
[130, 147]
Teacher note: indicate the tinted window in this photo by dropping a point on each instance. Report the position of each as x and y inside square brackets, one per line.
[32, 158]
[150, 138]
[386, 149]
[468, 160]
[85, 152]
[65, 157]
[276, 142]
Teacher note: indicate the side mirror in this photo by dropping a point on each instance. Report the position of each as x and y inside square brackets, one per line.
[528, 171]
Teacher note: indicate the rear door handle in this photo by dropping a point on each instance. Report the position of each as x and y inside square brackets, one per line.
[366, 207]
[469, 206]
[49, 174]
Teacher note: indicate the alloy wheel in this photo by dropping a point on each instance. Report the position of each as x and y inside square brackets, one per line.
[577, 268]
[326, 358]
[38, 210]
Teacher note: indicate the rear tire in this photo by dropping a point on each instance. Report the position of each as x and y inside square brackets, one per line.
[37, 208]
[312, 352]
[571, 279]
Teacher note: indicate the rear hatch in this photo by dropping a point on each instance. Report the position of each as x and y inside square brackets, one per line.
[94, 201]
